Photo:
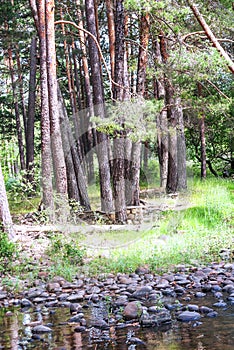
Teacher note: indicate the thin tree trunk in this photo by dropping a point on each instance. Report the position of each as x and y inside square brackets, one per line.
[202, 138]
[31, 112]
[46, 155]
[162, 123]
[203, 147]
[140, 89]
[111, 30]
[5, 217]
[181, 147]
[99, 110]
[21, 89]
[17, 114]
[135, 172]
[172, 175]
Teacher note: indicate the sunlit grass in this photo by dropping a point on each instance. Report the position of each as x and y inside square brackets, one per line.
[192, 236]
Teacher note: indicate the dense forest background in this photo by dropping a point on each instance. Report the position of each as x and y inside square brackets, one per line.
[116, 94]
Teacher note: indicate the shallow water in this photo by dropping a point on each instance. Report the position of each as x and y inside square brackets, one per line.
[212, 334]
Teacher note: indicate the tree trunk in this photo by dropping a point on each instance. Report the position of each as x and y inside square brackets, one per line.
[202, 138]
[17, 114]
[119, 179]
[162, 123]
[5, 217]
[140, 89]
[46, 156]
[119, 137]
[111, 31]
[99, 110]
[56, 140]
[77, 188]
[172, 175]
[135, 172]
[181, 148]
[31, 112]
[21, 89]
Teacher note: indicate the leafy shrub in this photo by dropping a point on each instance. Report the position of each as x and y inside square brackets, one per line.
[8, 251]
[69, 251]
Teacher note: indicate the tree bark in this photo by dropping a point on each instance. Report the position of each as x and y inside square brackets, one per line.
[181, 147]
[46, 155]
[162, 122]
[5, 217]
[56, 140]
[77, 188]
[31, 112]
[99, 110]
[202, 138]
[119, 137]
[17, 114]
[111, 31]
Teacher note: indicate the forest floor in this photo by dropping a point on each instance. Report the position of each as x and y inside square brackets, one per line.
[34, 238]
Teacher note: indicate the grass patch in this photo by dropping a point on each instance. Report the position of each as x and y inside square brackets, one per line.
[192, 236]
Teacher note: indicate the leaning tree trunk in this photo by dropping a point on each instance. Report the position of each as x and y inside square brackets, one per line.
[31, 112]
[210, 35]
[99, 110]
[5, 217]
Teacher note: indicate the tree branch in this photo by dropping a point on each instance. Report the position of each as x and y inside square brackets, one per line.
[211, 36]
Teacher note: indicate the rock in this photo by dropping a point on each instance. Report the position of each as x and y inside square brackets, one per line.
[141, 270]
[76, 297]
[187, 316]
[80, 329]
[192, 307]
[53, 287]
[76, 318]
[99, 323]
[134, 340]
[220, 303]
[75, 308]
[41, 329]
[132, 310]
[25, 303]
[212, 314]
[162, 284]
[142, 293]
[156, 319]
[200, 295]
[205, 309]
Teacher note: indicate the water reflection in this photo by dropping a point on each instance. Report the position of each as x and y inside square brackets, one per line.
[16, 333]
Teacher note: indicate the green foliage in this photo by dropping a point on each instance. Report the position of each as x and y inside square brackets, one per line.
[8, 251]
[7, 248]
[66, 250]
